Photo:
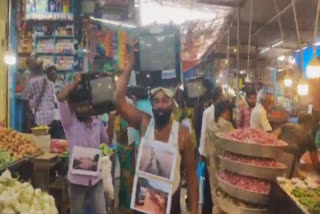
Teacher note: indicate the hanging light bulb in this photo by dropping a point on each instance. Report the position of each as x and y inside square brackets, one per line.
[10, 58]
[248, 79]
[303, 87]
[287, 82]
[313, 69]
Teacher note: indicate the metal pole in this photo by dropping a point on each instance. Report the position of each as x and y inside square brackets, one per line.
[315, 35]
[238, 58]
[298, 35]
[279, 19]
[274, 18]
[8, 69]
[228, 56]
[249, 39]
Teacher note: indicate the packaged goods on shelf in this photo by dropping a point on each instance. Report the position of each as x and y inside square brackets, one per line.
[46, 46]
[64, 63]
[46, 60]
[64, 46]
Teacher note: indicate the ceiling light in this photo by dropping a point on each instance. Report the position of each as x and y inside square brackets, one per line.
[281, 58]
[264, 50]
[288, 82]
[10, 58]
[248, 79]
[277, 44]
[303, 87]
[313, 69]
[242, 71]
[291, 60]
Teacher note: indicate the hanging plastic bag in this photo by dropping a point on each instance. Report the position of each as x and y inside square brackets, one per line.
[106, 166]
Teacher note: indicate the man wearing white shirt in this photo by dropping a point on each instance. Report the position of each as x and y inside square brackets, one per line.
[56, 130]
[208, 117]
[208, 121]
[259, 119]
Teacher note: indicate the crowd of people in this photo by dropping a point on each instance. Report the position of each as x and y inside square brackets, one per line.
[45, 105]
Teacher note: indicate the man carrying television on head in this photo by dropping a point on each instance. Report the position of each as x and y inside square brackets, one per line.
[82, 130]
[162, 127]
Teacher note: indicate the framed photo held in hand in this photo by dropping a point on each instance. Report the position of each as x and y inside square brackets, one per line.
[85, 161]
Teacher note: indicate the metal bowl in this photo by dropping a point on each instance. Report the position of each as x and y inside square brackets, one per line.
[248, 149]
[266, 173]
[244, 195]
[229, 207]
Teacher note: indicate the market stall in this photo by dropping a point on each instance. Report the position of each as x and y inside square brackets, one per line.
[17, 155]
[295, 196]
[15, 148]
[247, 168]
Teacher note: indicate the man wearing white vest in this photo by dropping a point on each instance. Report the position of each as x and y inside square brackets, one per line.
[162, 127]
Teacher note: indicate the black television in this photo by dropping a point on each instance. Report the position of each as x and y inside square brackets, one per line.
[157, 52]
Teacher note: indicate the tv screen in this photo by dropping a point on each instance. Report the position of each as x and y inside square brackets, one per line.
[195, 89]
[157, 52]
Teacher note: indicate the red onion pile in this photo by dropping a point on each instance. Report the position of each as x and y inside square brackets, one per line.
[253, 136]
[255, 161]
[245, 182]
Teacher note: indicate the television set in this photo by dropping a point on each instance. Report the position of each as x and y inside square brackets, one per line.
[157, 52]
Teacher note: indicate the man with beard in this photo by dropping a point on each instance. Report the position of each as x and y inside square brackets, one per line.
[82, 130]
[162, 127]
[244, 116]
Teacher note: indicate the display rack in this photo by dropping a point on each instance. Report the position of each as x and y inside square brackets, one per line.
[54, 53]
[50, 16]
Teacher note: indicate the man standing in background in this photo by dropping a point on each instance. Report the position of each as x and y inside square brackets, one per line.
[39, 98]
[56, 129]
[259, 119]
[244, 116]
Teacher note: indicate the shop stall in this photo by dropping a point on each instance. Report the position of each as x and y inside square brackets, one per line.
[247, 167]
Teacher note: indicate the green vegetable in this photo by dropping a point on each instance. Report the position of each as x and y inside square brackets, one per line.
[5, 159]
[106, 150]
[308, 198]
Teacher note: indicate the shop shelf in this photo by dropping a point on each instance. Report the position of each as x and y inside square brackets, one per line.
[65, 71]
[54, 36]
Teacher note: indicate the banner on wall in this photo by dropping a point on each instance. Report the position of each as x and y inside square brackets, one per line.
[107, 48]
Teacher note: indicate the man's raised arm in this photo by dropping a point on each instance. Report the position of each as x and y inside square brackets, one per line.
[129, 112]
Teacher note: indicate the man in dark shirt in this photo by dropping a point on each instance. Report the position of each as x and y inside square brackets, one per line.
[300, 140]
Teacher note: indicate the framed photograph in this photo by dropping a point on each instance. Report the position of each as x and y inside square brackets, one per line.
[151, 196]
[85, 161]
[157, 159]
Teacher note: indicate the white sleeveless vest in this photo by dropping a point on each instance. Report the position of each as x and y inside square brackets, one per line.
[173, 141]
